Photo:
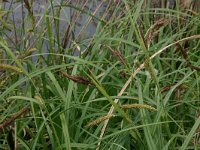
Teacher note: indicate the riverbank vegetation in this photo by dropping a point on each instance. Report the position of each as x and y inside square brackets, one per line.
[133, 83]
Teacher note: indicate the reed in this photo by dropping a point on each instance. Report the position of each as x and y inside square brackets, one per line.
[63, 87]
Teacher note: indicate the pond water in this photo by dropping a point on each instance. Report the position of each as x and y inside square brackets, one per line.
[19, 14]
[83, 26]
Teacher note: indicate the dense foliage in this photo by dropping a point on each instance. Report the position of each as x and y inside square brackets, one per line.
[133, 83]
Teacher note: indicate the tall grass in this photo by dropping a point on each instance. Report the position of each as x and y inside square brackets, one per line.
[133, 84]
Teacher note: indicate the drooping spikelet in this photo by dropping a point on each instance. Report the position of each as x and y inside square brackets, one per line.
[9, 67]
[144, 106]
[98, 120]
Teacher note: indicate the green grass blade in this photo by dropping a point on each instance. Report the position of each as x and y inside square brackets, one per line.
[191, 134]
[144, 116]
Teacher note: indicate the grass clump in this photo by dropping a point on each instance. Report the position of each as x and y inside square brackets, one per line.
[91, 86]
